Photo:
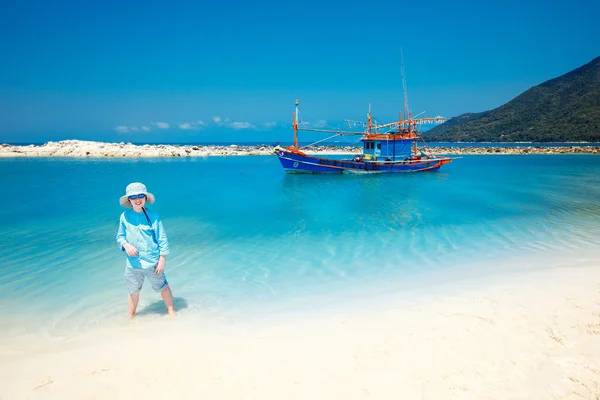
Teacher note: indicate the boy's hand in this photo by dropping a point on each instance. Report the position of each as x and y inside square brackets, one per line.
[130, 250]
[160, 266]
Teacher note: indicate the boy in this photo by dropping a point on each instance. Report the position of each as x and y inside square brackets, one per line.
[142, 236]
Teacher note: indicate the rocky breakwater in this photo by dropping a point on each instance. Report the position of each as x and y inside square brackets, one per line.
[518, 150]
[79, 148]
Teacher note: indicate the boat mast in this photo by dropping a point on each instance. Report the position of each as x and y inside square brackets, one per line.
[412, 125]
[404, 85]
[295, 125]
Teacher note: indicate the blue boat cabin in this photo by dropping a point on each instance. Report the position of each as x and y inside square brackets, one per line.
[387, 150]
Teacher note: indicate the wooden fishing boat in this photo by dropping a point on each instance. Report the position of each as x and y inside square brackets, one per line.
[387, 148]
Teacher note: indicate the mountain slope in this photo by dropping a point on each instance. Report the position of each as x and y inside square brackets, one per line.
[562, 109]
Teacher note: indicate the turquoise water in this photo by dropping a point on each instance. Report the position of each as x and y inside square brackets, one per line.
[248, 240]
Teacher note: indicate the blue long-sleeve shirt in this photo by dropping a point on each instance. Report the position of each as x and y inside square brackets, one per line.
[150, 240]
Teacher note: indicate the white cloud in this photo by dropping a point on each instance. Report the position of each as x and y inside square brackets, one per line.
[270, 124]
[192, 125]
[161, 125]
[241, 125]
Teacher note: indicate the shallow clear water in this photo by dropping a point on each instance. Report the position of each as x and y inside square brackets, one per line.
[249, 240]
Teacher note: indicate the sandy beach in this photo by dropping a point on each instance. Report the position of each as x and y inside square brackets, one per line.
[80, 148]
[525, 335]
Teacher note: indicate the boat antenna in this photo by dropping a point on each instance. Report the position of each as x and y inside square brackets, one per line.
[404, 86]
[370, 120]
[295, 126]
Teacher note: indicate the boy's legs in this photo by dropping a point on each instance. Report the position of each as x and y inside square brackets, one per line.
[134, 279]
[167, 296]
[132, 304]
[160, 284]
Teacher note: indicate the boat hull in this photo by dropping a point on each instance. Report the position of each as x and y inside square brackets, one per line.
[294, 163]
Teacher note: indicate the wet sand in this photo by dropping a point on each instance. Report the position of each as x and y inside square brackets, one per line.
[526, 335]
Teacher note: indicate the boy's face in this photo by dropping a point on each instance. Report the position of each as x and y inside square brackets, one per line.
[138, 203]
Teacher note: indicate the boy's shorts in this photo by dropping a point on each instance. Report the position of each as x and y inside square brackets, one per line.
[134, 279]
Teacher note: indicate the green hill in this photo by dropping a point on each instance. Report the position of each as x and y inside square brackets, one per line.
[563, 109]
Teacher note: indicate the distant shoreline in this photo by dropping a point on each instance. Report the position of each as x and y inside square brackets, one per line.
[83, 149]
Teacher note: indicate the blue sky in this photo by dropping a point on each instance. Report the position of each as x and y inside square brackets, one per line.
[195, 71]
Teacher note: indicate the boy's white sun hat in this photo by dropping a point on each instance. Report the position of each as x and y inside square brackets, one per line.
[135, 188]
